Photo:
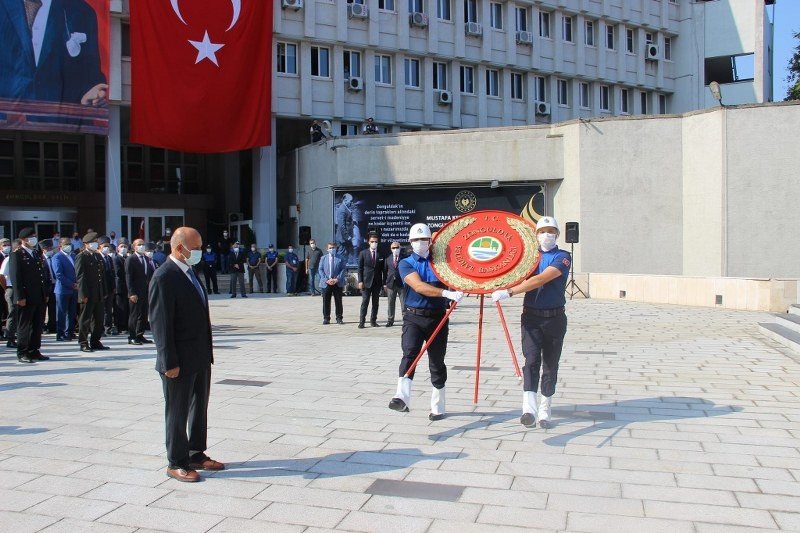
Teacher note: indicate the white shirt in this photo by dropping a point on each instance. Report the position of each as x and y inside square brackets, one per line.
[69, 256]
[39, 27]
[4, 271]
[184, 267]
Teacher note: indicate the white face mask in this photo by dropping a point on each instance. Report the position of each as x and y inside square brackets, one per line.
[93, 246]
[123, 251]
[140, 248]
[208, 250]
[291, 250]
[253, 248]
[236, 250]
[421, 248]
[67, 248]
[6, 250]
[547, 241]
[395, 251]
[194, 257]
[331, 250]
[32, 242]
[48, 253]
[225, 234]
[105, 251]
[149, 254]
[373, 246]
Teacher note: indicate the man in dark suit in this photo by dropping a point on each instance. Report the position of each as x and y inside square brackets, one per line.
[90, 275]
[236, 261]
[46, 247]
[138, 271]
[107, 253]
[29, 296]
[66, 286]
[5, 251]
[181, 328]
[393, 283]
[49, 51]
[370, 275]
[120, 288]
[331, 282]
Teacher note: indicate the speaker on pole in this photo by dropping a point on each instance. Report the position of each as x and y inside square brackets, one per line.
[571, 232]
[304, 235]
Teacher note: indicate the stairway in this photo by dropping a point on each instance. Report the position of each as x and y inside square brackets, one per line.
[786, 329]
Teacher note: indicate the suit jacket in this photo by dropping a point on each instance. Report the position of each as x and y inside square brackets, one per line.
[391, 277]
[90, 273]
[48, 275]
[27, 279]
[64, 271]
[135, 277]
[120, 286]
[237, 259]
[326, 273]
[108, 273]
[58, 77]
[371, 275]
[179, 321]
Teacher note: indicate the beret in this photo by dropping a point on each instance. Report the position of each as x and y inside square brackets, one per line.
[90, 237]
[27, 232]
[103, 239]
[47, 243]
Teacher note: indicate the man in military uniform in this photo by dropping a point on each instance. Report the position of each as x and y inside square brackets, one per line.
[8, 296]
[107, 253]
[90, 275]
[292, 263]
[271, 260]
[210, 269]
[30, 290]
[254, 261]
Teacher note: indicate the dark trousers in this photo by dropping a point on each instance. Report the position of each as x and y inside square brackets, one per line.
[186, 403]
[312, 280]
[211, 280]
[121, 311]
[237, 277]
[392, 295]
[137, 318]
[66, 309]
[223, 262]
[11, 319]
[90, 322]
[3, 313]
[29, 328]
[50, 320]
[255, 271]
[369, 293]
[272, 279]
[336, 292]
[291, 280]
[416, 330]
[108, 311]
[542, 340]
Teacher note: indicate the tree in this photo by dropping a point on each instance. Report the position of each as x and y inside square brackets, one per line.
[794, 73]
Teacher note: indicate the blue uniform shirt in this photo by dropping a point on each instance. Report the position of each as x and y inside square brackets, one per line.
[421, 266]
[210, 258]
[550, 295]
[253, 257]
[271, 257]
[291, 259]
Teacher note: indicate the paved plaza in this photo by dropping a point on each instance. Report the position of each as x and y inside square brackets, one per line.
[667, 419]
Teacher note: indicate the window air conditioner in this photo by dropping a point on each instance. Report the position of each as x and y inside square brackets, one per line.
[542, 108]
[445, 97]
[357, 11]
[652, 52]
[524, 37]
[355, 84]
[294, 4]
[418, 19]
[473, 28]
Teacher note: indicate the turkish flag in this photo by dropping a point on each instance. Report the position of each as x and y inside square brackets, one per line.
[201, 74]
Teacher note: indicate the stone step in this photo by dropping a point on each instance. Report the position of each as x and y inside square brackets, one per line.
[789, 321]
[782, 335]
[794, 309]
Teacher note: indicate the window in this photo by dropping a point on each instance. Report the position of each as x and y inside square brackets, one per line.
[589, 36]
[356, 2]
[352, 64]
[412, 72]
[383, 69]
[440, 76]
[629, 41]
[496, 15]
[605, 101]
[673, 2]
[415, 6]
[521, 18]
[320, 64]
[728, 69]
[541, 89]
[648, 38]
[492, 82]
[47, 165]
[668, 49]
[126, 39]
[443, 10]
[625, 97]
[386, 5]
[643, 98]
[287, 58]
[346, 130]
[544, 24]
[467, 80]
[517, 86]
[566, 29]
[583, 91]
[610, 37]
[470, 11]
[662, 104]
[563, 93]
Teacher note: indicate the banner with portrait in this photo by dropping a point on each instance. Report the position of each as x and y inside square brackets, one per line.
[392, 211]
[54, 63]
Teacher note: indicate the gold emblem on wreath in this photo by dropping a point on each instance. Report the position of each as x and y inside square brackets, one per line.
[466, 201]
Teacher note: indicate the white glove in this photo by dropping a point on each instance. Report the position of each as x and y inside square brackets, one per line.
[499, 295]
[456, 296]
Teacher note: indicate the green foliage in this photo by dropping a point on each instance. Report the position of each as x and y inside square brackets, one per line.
[794, 73]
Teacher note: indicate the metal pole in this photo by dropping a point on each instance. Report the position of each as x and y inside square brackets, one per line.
[478, 354]
[429, 341]
[508, 340]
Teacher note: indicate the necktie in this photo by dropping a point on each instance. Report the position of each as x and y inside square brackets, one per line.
[196, 284]
[395, 262]
[331, 267]
[31, 8]
[144, 264]
[373, 258]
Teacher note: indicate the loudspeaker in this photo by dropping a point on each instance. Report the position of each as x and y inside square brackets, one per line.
[304, 235]
[571, 232]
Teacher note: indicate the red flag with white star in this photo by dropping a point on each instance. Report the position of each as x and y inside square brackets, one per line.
[201, 74]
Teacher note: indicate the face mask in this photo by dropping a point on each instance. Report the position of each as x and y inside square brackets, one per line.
[169, 233]
[373, 246]
[291, 250]
[331, 250]
[6, 250]
[93, 246]
[194, 257]
[67, 249]
[32, 241]
[421, 248]
[123, 251]
[208, 250]
[236, 250]
[395, 251]
[140, 248]
[313, 246]
[113, 236]
[48, 253]
[547, 241]
[225, 234]
[253, 248]
[149, 254]
[271, 250]
[105, 251]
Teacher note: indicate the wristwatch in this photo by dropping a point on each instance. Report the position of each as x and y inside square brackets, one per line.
[510, 292]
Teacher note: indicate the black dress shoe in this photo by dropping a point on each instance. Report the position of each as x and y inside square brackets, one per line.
[390, 323]
[135, 342]
[37, 356]
[25, 359]
[145, 341]
[11, 344]
[100, 346]
[326, 322]
[244, 296]
[374, 324]
[233, 296]
[527, 420]
[86, 348]
[396, 404]
[339, 321]
[545, 424]
[360, 325]
[433, 418]
[59, 338]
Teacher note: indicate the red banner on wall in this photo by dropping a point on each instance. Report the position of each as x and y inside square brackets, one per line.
[54, 60]
[201, 74]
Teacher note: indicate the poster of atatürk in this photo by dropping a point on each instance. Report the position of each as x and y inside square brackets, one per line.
[392, 212]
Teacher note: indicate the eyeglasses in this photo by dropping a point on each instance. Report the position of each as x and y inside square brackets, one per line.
[395, 247]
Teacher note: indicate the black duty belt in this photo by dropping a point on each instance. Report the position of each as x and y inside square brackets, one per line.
[426, 312]
[544, 313]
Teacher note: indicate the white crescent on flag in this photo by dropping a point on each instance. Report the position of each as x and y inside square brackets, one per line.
[237, 10]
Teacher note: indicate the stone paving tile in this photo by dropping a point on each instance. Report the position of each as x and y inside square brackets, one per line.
[210, 503]
[123, 493]
[510, 516]
[72, 507]
[161, 519]
[18, 500]
[64, 486]
[24, 522]
[71, 525]
[465, 512]
[363, 521]
[306, 515]
[601, 523]
[239, 525]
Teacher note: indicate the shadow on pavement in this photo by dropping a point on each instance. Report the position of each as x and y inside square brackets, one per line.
[56, 371]
[17, 430]
[26, 384]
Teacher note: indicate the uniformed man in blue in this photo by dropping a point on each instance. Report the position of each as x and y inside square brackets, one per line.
[254, 260]
[292, 263]
[271, 259]
[427, 300]
[544, 322]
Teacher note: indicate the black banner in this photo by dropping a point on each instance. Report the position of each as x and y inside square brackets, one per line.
[392, 212]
